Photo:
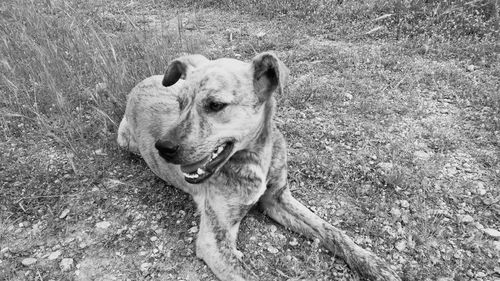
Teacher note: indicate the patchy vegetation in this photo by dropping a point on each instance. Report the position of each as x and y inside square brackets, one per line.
[392, 118]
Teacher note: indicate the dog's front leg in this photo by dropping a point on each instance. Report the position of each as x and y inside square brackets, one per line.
[216, 243]
[279, 204]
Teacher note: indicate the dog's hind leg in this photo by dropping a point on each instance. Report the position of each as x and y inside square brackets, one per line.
[126, 138]
[279, 204]
[216, 242]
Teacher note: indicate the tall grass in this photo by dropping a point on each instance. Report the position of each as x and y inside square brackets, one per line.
[64, 72]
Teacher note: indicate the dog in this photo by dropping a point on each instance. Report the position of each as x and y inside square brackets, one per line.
[206, 127]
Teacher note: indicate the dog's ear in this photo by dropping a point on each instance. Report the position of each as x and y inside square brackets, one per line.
[179, 68]
[269, 74]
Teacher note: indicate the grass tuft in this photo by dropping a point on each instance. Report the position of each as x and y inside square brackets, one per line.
[70, 73]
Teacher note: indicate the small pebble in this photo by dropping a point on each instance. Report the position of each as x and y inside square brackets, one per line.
[54, 255]
[400, 245]
[260, 34]
[100, 152]
[145, 266]
[404, 203]
[405, 219]
[492, 232]
[480, 274]
[496, 245]
[272, 250]
[480, 189]
[28, 261]
[103, 225]
[64, 213]
[422, 155]
[298, 145]
[465, 218]
[24, 224]
[395, 212]
[478, 225]
[193, 230]
[121, 230]
[470, 68]
[272, 228]
[66, 264]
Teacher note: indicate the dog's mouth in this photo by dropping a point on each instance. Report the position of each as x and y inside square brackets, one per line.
[202, 170]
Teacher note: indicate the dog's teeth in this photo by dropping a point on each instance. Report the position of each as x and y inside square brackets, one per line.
[190, 176]
[220, 149]
[200, 171]
[216, 152]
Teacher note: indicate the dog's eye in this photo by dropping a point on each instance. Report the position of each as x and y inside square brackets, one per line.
[216, 106]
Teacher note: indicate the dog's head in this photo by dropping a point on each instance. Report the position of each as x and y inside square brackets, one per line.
[222, 110]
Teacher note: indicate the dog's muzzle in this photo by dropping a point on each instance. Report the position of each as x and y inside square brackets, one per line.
[199, 171]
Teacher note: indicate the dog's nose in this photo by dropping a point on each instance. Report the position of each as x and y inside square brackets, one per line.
[167, 148]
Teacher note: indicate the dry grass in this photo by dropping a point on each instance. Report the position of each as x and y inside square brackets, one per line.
[69, 72]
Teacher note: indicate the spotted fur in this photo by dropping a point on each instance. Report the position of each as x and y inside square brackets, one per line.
[176, 107]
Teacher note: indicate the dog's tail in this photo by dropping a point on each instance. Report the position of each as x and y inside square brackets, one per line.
[280, 205]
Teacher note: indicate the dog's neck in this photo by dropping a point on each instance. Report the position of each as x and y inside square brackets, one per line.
[249, 167]
[260, 147]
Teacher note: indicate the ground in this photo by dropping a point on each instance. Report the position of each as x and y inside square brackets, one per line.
[395, 143]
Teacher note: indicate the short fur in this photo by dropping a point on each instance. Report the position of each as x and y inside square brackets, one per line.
[176, 117]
